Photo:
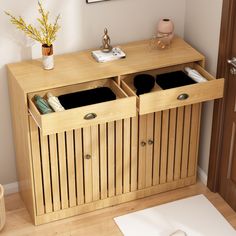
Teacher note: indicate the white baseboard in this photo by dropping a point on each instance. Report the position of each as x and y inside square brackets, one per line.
[202, 176]
[11, 188]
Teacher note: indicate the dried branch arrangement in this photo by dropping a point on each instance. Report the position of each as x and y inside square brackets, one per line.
[46, 34]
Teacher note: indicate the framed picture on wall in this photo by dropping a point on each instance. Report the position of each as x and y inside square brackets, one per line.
[92, 1]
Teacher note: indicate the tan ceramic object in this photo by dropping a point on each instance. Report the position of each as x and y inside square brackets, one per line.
[165, 28]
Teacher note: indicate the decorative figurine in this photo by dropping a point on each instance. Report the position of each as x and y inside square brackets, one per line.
[106, 47]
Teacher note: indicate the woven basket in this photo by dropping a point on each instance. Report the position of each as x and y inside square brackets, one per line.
[2, 208]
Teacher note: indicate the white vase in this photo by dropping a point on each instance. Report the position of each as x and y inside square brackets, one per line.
[48, 59]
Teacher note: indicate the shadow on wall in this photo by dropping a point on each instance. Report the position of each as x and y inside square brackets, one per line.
[7, 160]
[14, 47]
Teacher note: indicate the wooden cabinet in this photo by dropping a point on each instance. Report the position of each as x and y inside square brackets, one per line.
[135, 146]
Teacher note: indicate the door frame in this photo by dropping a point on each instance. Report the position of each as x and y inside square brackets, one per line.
[226, 34]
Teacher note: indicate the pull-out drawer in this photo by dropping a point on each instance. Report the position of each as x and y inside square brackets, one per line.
[159, 99]
[120, 108]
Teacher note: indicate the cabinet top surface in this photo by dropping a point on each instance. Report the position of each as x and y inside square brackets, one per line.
[80, 67]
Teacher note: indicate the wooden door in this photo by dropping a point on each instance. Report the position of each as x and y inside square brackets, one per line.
[228, 171]
[222, 169]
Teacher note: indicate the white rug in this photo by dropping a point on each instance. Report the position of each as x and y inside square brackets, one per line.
[196, 216]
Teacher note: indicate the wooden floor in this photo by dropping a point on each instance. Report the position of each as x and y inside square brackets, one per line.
[100, 222]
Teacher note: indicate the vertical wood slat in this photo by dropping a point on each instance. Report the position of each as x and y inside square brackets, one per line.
[79, 166]
[186, 139]
[71, 167]
[134, 153]
[149, 150]
[171, 145]
[179, 142]
[142, 151]
[95, 162]
[103, 160]
[46, 173]
[54, 172]
[157, 148]
[111, 158]
[88, 181]
[126, 156]
[119, 154]
[62, 170]
[37, 171]
[164, 146]
[194, 139]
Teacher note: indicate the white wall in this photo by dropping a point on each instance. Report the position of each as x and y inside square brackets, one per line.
[82, 27]
[202, 30]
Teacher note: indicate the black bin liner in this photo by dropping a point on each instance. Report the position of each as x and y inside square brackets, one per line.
[86, 97]
[173, 80]
[144, 83]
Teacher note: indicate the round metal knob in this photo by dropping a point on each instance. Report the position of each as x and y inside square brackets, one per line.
[88, 156]
[183, 96]
[143, 144]
[150, 142]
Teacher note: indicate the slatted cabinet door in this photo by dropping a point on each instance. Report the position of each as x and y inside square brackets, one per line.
[168, 146]
[85, 165]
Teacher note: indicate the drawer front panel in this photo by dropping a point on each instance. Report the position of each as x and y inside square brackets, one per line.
[122, 107]
[167, 99]
[159, 100]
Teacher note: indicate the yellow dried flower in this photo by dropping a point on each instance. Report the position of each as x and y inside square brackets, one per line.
[46, 34]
